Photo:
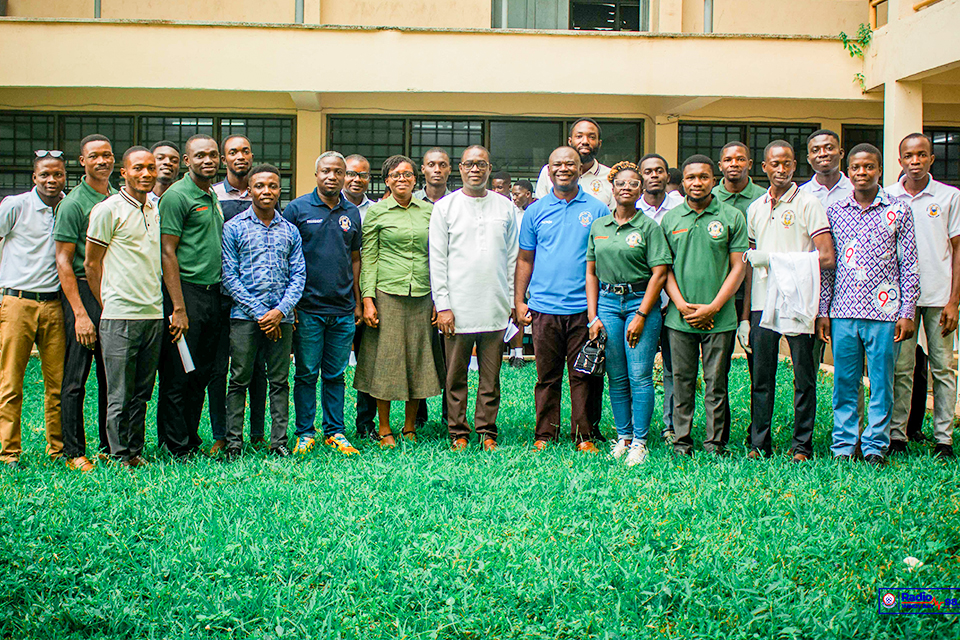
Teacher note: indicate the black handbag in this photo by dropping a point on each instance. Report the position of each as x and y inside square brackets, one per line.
[591, 359]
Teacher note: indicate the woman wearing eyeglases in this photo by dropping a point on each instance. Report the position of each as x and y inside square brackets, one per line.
[627, 263]
[399, 356]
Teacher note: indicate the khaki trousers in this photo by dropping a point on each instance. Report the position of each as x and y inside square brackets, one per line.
[23, 323]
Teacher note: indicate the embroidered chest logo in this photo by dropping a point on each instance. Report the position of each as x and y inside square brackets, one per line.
[595, 186]
[787, 218]
[715, 229]
[345, 223]
[585, 218]
[933, 210]
[634, 239]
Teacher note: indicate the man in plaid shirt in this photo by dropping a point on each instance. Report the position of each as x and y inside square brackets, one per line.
[867, 304]
[264, 272]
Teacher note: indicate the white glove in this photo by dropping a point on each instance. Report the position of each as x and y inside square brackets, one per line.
[743, 335]
[758, 258]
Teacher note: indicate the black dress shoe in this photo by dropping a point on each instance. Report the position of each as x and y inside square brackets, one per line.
[943, 451]
[874, 459]
[896, 446]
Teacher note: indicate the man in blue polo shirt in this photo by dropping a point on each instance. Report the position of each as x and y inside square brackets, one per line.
[327, 314]
[553, 263]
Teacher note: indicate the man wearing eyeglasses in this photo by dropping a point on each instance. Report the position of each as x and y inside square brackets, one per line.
[553, 263]
[474, 237]
[123, 268]
[81, 311]
[355, 187]
[31, 304]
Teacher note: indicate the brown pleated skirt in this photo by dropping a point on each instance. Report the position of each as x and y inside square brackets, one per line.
[400, 359]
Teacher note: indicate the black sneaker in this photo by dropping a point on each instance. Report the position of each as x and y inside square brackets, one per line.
[943, 451]
[517, 362]
[280, 451]
[897, 446]
[874, 459]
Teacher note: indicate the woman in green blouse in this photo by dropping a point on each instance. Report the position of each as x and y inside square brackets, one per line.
[627, 262]
[399, 356]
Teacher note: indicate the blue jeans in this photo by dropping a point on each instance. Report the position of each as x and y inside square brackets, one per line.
[851, 340]
[630, 371]
[321, 346]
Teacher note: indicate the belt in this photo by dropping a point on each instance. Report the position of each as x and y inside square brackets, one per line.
[623, 289]
[204, 287]
[32, 295]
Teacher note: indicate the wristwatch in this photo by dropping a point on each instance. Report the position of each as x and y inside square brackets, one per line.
[641, 313]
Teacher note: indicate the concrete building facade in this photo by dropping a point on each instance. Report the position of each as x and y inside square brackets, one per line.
[390, 76]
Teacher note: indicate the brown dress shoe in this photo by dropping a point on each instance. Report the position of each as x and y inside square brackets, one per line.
[587, 447]
[489, 444]
[134, 462]
[799, 457]
[754, 455]
[540, 445]
[258, 443]
[459, 444]
[218, 445]
[80, 464]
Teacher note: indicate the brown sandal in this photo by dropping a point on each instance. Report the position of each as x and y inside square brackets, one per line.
[379, 438]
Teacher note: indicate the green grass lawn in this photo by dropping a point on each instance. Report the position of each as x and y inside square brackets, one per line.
[420, 542]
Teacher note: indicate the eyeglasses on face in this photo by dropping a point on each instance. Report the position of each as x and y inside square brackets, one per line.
[633, 184]
[363, 175]
[397, 175]
[479, 164]
[44, 153]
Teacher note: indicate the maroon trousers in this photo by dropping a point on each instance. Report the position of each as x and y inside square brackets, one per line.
[557, 340]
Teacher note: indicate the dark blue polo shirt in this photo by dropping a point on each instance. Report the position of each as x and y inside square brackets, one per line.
[329, 237]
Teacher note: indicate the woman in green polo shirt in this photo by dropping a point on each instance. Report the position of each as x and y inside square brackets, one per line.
[399, 355]
[627, 262]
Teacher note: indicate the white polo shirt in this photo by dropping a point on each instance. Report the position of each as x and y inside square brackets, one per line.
[672, 200]
[29, 253]
[130, 286]
[936, 218]
[789, 226]
[827, 197]
[594, 182]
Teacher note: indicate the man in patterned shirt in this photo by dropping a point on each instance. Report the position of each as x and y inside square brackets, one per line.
[867, 305]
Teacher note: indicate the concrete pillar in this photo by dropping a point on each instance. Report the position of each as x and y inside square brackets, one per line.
[902, 115]
[310, 144]
[670, 16]
[667, 140]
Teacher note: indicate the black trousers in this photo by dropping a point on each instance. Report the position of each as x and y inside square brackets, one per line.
[76, 368]
[366, 404]
[918, 400]
[180, 403]
[766, 352]
[217, 390]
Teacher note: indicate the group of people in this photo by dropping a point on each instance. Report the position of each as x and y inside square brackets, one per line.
[214, 287]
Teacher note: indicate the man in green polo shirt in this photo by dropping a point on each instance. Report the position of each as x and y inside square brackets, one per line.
[707, 239]
[191, 225]
[738, 190]
[81, 311]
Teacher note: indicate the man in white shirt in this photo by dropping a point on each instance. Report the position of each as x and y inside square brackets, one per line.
[824, 154]
[31, 305]
[784, 220]
[936, 216]
[357, 182]
[122, 262]
[585, 137]
[656, 201]
[474, 241]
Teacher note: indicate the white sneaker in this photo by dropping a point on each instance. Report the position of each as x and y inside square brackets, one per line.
[620, 448]
[637, 455]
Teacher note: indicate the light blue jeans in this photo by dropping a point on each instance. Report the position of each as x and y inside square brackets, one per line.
[629, 370]
[851, 339]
